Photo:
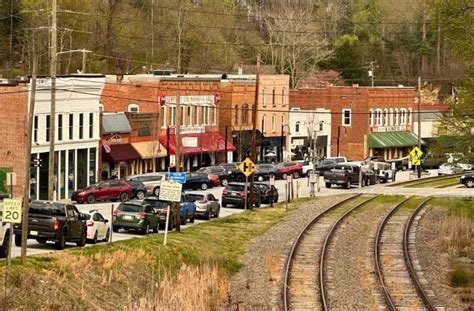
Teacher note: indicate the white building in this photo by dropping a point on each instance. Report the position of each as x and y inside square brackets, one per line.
[310, 133]
[77, 134]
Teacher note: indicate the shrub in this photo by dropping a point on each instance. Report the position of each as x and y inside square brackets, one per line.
[459, 277]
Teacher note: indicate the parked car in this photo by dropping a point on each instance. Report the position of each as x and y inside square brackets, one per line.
[324, 165]
[198, 181]
[383, 171]
[162, 208]
[134, 215]
[449, 169]
[98, 228]
[234, 172]
[290, 168]
[151, 181]
[376, 158]
[307, 167]
[264, 171]
[234, 193]
[344, 174]
[467, 180]
[54, 221]
[4, 236]
[218, 171]
[338, 159]
[138, 189]
[400, 164]
[431, 161]
[207, 205]
[268, 194]
[105, 190]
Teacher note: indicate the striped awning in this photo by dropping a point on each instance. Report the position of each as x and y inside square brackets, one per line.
[392, 139]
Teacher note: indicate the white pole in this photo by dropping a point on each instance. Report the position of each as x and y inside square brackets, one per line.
[167, 224]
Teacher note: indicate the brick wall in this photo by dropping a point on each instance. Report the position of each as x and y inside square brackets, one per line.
[359, 100]
[14, 113]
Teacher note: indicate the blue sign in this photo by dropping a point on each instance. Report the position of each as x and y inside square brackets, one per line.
[178, 177]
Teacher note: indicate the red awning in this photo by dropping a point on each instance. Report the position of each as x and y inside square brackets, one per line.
[120, 153]
[205, 142]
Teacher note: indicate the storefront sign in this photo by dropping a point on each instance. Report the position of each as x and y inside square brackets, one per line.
[206, 99]
[189, 141]
[391, 128]
[192, 129]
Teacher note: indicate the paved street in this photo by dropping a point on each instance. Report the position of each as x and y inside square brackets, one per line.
[303, 191]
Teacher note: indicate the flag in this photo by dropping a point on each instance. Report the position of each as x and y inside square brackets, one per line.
[106, 146]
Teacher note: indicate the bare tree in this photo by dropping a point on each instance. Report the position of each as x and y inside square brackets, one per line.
[294, 44]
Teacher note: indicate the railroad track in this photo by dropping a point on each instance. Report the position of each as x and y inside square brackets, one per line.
[422, 181]
[307, 257]
[394, 267]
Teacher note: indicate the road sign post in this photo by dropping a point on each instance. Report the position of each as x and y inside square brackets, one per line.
[247, 167]
[272, 184]
[170, 191]
[415, 155]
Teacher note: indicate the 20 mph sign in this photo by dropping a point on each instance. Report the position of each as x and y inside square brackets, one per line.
[11, 211]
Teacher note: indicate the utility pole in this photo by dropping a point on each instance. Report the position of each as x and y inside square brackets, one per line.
[52, 118]
[254, 132]
[152, 33]
[371, 71]
[419, 122]
[84, 57]
[178, 155]
[29, 131]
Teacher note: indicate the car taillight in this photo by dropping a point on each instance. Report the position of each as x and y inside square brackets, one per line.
[266, 191]
[242, 193]
[202, 201]
[116, 212]
[55, 224]
[141, 215]
[225, 191]
[90, 223]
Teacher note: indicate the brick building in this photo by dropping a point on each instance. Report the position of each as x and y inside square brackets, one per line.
[365, 121]
[13, 113]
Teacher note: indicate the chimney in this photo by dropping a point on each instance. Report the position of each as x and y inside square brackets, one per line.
[119, 78]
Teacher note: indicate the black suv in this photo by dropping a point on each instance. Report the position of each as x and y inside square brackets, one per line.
[233, 171]
[234, 193]
[219, 171]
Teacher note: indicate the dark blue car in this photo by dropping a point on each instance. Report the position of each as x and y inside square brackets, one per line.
[197, 181]
[138, 189]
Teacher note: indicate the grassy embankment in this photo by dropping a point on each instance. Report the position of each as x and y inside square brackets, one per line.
[455, 237]
[437, 183]
[191, 272]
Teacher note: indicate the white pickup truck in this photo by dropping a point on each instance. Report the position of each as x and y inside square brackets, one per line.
[4, 235]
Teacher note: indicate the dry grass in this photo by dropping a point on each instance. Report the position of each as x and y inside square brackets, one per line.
[456, 236]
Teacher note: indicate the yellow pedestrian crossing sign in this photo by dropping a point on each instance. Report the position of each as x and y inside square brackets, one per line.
[415, 155]
[247, 167]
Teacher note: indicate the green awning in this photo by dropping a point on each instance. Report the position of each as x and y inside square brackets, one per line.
[392, 139]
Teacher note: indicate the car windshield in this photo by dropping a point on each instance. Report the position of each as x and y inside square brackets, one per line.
[261, 186]
[202, 170]
[156, 203]
[53, 210]
[235, 187]
[86, 216]
[130, 208]
[195, 197]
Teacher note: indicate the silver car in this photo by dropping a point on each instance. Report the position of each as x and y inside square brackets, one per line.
[206, 204]
[151, 181]
[449, 169]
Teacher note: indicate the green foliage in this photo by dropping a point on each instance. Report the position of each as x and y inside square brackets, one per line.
[459, 277]
[347, 58]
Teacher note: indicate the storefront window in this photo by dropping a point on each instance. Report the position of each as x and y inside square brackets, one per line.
[70, 177]
[81, 168]
[33, 177]
[92, 168]
[63, 176]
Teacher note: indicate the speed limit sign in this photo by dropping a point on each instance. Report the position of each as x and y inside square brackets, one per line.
[11, 211]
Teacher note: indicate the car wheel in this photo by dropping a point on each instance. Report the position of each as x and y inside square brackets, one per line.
[328, 185]
[140, 195]
[124, 197]
[192, 218]
[155, 230]
[146, 229]
[284, 176]
[309, 172]
[61, 242]
[272, 175]
[217, 213]
[208, 215]
[240, 178]
[296, 175]
[156, 192]
[83, 240]
[41, 240]
[348, 185]
[183, 221]
[170, 225]
[115, 229]
[94, 240]
[224, 182]
[203, 186]
[5, 247]
[17, 240]
[469, 183]
[107, 236]
[91, 199]
[258, 204]
[224, 204]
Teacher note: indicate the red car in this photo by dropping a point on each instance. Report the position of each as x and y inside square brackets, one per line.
[290, 168]
[104, 190]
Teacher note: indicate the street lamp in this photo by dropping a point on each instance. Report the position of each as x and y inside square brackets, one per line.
[282, 139]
